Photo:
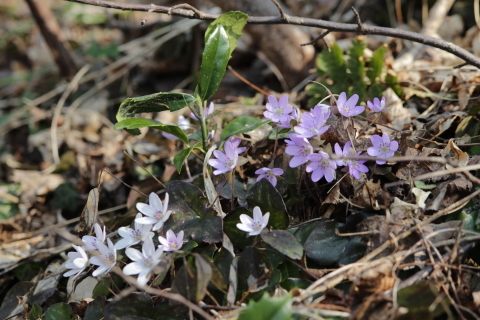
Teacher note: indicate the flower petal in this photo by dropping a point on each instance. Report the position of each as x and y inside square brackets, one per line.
[132, 268]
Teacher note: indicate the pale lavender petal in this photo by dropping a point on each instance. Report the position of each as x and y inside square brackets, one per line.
[132, 268]
[220, 155]
[123, 243]
[376, 140]
[329, 174]
[257, 214]
[146, 220]
[245, 219]
[243, 227]
[272, 180]
[277, 171]
[155, 202]
[157, 226]
[317, 175]
[296, 161]
[393, 146]
[134, 254]
[273, 101]
[145, 209]
[262, 171]
[101, 270]
[373, 152]
[125, 232]
[180, 237]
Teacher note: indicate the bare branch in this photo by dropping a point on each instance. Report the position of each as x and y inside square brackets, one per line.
[316, 23]
[321, 36]
[284, 16]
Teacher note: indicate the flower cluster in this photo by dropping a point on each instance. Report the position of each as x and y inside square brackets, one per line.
[152, 216]
[312, 125]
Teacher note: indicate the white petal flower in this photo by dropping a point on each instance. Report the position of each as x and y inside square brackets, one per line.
[106, 260]
[78, 261]
[91, 242]
[156, 212]
[256, 225]
[172, 242]
[143, 262]
[131, 236]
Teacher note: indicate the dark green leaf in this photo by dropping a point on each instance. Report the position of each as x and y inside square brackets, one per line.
[95, 309]
[10, 301]
[186, 284]
[354, 251]
[241, 124]
[292, 283]
[214, 61]
[135, 306]
[35, 312]
[136, 123]
[284, 242]
[469, 125]
[59, 311]
[323, 245]
[182, 155]
[233, 23]
[192, 213]
[265, 196]
[156, 102]
[223, 260]
[254, 270]
[421, 301]
[9, 209]
[356, 65]
[268, 308]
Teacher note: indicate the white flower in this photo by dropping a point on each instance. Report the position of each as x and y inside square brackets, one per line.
[144, 261]
[91, 242]
[133, 236]
[106, 260]
[172, 242]
[156, 212]
[78, 262]
[256, 225]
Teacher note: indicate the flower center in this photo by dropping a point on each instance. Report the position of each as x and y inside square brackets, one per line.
[270, 173]
[278, 111]
[229, 162]
[147, 262]
[137, 235]
[158, 215]
[354, 163]
[110, 257]
[172, 244]
[256, 225]
[384, 148]
[324, 163]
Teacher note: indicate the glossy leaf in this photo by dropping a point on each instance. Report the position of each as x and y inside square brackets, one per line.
[153, 103]
[254, 270]
[267, 197]
[186, 284]
[59, 311]
[136, 123]
[241, 124]
[284, 242]
[233, 23]
[192, 213]
[182, 155]
[268, 308]
[323, 245]
[214, 61]
[94, 309]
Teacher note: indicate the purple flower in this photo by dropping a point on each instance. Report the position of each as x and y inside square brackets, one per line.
[348, 107]
[321, 165]
[278, 110]
[208, 112]
[345, 153]
[225, 161]
[269, 174]
[235, 143]
[377, 105]
[356, 166]
[321, 109]
[171, 242]
[313, 124]
[299, 148]
[382, 147]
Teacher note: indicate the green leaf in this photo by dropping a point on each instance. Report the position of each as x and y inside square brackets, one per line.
[422, 185]
[322, 244]
[334, 64]
[182, 155]
[192, 213]
[254, 269]
[10, 301]
[59, 311]
[35, 312]
[265, 196]
[284, 242]
[241, 124]
[356, 65]
[135, 306]
[135, 123]
[233, 23]
[153, 103]
[376, 64]
[421, 301]
[214, 61]
[268, 308]
[95, 309]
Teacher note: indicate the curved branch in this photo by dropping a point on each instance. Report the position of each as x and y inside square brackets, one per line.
[316, 23]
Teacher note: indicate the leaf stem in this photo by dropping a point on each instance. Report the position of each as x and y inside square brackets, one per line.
[203, 124]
